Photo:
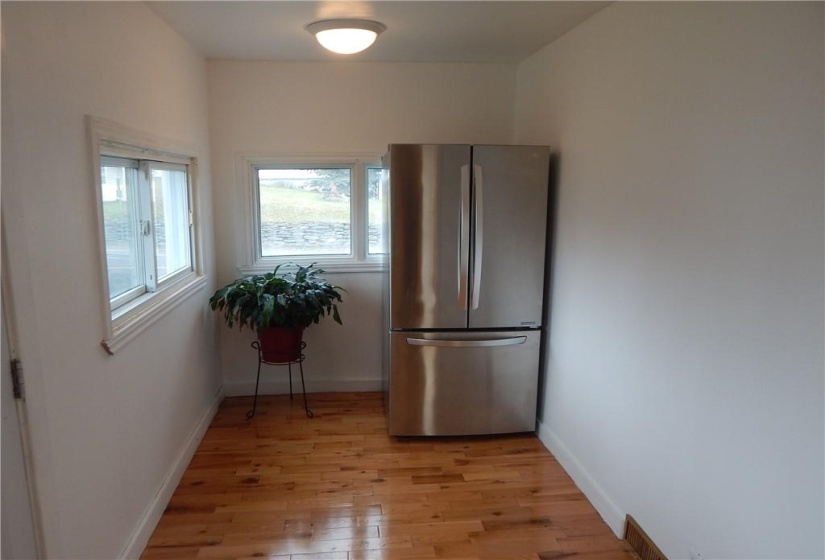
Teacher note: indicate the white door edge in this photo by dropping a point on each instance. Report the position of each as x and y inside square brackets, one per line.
[27, 534]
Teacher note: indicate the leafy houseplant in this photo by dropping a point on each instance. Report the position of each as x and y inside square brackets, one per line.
[279, 307]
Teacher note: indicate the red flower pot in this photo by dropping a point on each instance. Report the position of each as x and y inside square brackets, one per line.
[280, 345]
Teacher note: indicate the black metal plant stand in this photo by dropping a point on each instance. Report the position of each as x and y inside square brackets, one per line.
[300, 361]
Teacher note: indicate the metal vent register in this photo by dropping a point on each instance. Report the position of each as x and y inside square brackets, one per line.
[639, 542]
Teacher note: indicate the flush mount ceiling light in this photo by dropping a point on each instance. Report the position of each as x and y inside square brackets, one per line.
[346, 36]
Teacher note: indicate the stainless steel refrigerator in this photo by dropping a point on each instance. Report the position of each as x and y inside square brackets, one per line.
[467, 233]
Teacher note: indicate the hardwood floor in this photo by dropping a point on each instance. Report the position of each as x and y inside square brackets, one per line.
[337, 487]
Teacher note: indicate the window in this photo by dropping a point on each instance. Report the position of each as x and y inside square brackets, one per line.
[376, 195]
[323, 210]
[305, 211]
[149, 237]
[146, 222]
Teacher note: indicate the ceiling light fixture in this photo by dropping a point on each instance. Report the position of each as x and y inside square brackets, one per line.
[346, 36]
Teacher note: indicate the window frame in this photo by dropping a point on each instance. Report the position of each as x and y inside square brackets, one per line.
[124, 318]
[359, 260]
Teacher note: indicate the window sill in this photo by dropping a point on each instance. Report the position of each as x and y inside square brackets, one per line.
[135, 317]
[329, 265]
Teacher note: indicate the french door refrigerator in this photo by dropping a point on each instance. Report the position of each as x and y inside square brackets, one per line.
[467, 233]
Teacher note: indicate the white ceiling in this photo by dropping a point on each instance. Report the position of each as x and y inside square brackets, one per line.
[417, 31]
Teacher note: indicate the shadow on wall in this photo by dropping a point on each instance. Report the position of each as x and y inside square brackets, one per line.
[552, 196]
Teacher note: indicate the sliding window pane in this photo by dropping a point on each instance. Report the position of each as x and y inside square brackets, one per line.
[120, 219]
[170, 208]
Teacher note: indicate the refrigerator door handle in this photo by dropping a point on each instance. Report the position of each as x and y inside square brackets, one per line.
[464, 237]
[478, 234]
[510, 341]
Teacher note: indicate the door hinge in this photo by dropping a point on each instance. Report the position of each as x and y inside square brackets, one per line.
[17, 378]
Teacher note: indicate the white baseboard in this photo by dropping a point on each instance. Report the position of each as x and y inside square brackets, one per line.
[280, 386]
[151, 516]
[610, 512]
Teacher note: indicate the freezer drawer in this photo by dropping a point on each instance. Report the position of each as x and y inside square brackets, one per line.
[463, 383]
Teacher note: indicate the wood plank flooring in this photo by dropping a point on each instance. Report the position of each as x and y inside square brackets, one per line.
[337, 487]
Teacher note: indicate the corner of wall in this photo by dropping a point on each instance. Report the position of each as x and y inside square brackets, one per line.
[143, 531]
[607, 508]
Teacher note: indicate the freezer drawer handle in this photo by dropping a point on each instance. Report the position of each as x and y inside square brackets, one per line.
[512, 341]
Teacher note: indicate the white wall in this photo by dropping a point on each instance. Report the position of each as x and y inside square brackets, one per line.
[334, 108]
[106, 430]
[685, 367]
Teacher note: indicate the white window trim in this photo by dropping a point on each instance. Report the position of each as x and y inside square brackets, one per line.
[125, 323]
[250, 259]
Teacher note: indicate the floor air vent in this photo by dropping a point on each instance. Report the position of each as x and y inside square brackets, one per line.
[639, 542]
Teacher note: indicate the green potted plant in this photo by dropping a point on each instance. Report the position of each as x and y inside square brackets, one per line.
[279, 307]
